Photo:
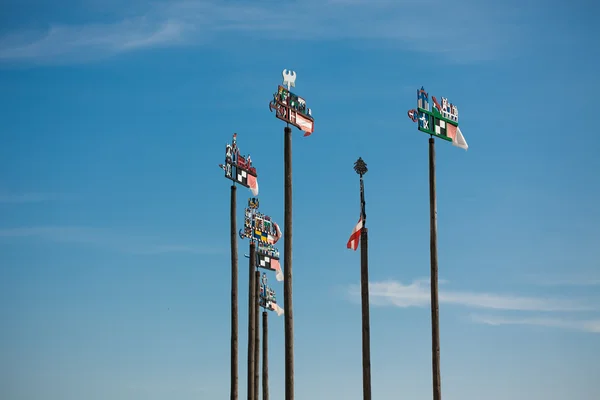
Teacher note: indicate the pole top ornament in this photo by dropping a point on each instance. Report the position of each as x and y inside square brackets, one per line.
[289, 78]
[360, 166]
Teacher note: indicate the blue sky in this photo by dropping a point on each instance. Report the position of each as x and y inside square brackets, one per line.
[114, 247]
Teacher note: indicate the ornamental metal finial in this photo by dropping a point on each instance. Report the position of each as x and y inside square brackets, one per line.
[289, 78]
[360, 167]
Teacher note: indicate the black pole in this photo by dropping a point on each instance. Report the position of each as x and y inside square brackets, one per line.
[366, 330]
[287, 268]
[234, 298]
[251, 326]
[265, 357]
[361, 168]
[256, 333]
[435, 315]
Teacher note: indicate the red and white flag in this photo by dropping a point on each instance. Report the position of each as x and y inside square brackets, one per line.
[253, 184]
[277, 267]
[355, 237]
[454, 133]
[277, 309]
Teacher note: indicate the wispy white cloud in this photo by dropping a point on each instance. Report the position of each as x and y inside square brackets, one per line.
[29, 197]
[68, 43]
[589, 325]
[116, 241]
[417, 294]
[472, 31]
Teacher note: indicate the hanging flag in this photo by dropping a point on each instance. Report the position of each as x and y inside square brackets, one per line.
[355, 236]
[277, 267]
[271, 305]
[271, 263]
[253, 184]
[454, 133]
[277, 309]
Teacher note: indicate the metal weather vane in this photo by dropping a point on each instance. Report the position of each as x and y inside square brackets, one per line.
[267, 298]
[440, 121]
[265, 232]
[291, 108]
[239, 168]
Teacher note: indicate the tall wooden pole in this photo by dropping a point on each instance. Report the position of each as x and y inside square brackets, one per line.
[234, 297]
[265, 356]
[251, 326]
[361, 168]
[435, 315]
[287, 268]
[256, 333]
[366, 329]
